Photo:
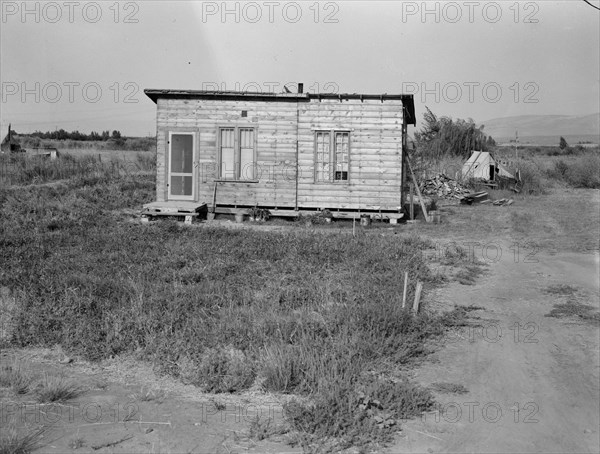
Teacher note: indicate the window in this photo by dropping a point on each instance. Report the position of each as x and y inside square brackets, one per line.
[332, 151]
[237, 151]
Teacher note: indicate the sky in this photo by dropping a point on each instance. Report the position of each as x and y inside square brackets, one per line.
[80, 65]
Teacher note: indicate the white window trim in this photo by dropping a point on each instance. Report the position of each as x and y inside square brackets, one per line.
[332, 161]
[236, 153]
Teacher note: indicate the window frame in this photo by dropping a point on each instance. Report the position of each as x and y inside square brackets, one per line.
[332, 155]
[236, 153]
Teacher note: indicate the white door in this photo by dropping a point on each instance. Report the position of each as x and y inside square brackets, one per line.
[182, 178]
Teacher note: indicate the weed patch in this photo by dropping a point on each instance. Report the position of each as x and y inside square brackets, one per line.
[15, 377]
[220, 370]
[76, 443]
[449, 388]
[560, 289]
[582, 171]
[532, 178]
[149, 395]
[458, 317]
[56, 389]
[264, 428]
[574, 308]
[358, 415]
[14, 442]
[469, 274]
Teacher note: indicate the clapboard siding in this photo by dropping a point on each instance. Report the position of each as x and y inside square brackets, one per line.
[285, 133]
[375, 167]
[276, 126]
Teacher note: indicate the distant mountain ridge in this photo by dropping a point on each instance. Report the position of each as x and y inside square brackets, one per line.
[543, 126]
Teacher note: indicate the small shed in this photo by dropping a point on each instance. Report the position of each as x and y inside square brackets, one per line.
[9, 144]
[284, 152]
[482, 166]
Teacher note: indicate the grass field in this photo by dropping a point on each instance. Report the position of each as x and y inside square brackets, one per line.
[19, 169]
[299, 311]
[309, 312]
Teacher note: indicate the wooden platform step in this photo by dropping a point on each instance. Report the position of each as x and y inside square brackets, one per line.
[172, 206]
[187, 210]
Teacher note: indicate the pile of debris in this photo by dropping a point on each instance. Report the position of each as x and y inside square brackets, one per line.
[503, 202]
[475, 197]
[483, 197]
[443, 186]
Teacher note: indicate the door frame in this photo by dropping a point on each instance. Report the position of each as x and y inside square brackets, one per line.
[194, 174]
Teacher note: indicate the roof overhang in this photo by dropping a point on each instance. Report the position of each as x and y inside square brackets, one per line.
[154, 94]
[407, 100]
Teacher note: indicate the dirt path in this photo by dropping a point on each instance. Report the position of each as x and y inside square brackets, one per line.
[532, 380]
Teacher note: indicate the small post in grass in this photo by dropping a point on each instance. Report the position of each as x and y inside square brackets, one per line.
[417, 297]
[405, 289]
[353, 225]
[412, 207]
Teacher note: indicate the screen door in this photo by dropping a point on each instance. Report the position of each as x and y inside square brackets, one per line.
[181, 166]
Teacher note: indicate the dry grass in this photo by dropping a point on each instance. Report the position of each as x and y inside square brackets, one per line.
[76, 443]
[23, 169]
[15, 376]
[573, 308]
[469, 274]
[13, 441]
[560, 289]
[264, 428]
[54, 388]
[449, 388]
[149, 395]
[299, 311]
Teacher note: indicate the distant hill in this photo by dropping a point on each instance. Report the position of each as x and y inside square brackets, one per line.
[545, 129]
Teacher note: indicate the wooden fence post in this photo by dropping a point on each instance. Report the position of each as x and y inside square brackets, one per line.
[417, 297]
[412, 206]
[405, 289]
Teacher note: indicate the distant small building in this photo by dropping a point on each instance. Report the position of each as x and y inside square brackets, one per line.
[9, 144]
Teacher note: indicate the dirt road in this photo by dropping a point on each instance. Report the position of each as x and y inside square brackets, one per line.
[532, 380]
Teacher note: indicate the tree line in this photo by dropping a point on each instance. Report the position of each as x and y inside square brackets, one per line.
[61, 134]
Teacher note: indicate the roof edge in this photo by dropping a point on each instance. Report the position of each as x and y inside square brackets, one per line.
[408, 100]
[154, 94]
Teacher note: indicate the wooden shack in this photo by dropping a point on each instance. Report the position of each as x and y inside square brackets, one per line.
[285, 152]
[10, 144]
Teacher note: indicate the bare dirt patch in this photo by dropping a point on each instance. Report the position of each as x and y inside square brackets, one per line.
[532, 380]
[121, 406]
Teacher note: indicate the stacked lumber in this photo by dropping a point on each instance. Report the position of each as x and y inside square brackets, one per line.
[443, 186]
